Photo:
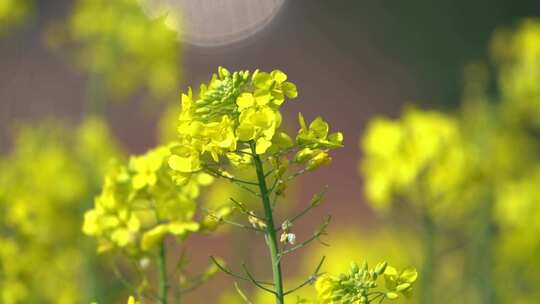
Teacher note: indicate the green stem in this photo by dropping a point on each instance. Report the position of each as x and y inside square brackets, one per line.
[428, 267]
[95, 95]
[271, 239]
[484, 253]
[162, 268]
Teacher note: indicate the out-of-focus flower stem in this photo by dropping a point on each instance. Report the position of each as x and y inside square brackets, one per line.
[162, 268]
[95, 98]
[484, 260]
[428, 267]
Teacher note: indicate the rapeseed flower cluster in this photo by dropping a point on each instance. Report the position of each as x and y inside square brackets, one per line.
[13, 13]
[420, 156]
[239, 109]
[42, 259]
[360, 285]
[479, 163]
[236, 120]
[141, 203]
[517, 57]
[110, 37]
[515, 195]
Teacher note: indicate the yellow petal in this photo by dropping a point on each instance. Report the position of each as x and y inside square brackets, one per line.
[262, 145]
[183, 164]
[245, 100]
[245, 132]
[152, 238]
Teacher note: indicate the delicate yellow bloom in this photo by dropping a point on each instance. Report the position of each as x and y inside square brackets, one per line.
[422, 154]
[142, 203]
[128, 64]
[325, 287]
[518, 57]
[146, 168]
[131, 300]
[238, 109]
[45, 180]
[229, 111]
[358, 284]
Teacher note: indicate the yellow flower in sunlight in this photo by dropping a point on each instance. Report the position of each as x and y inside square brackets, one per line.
[239, 111]
[146, 168]
[232, 110]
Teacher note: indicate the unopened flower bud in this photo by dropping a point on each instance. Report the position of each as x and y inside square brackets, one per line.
[322, 158]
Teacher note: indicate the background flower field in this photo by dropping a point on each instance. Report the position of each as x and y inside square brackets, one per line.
[439, 106]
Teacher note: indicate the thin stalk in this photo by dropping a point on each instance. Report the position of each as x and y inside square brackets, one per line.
[95, 95]
[162, 268]
[484, 259]
[271, 239]
[428, 267]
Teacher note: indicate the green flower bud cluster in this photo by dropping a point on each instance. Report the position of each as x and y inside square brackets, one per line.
[219, 97]
[360, 285]
[316, 142]
[141, 203]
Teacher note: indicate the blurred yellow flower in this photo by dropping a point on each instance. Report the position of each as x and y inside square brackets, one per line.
[47, 178]
[119, 44]
[141, 203]
[422, 157]
[13, 13]
[517, 54]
